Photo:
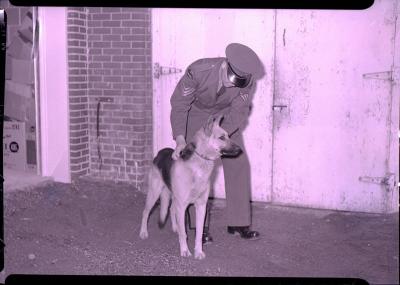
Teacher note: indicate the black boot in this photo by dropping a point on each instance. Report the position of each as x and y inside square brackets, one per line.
[244, 232]
[206, 238]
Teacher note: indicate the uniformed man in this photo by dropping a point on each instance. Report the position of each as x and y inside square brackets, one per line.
[213, 86]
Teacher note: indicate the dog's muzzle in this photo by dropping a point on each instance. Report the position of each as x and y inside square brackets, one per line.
[233, 150]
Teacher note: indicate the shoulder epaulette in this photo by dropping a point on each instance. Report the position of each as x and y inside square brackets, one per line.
[204, 64]
[201, 67]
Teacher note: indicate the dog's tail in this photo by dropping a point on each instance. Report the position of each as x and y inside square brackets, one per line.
[165, 199]
[163, 161]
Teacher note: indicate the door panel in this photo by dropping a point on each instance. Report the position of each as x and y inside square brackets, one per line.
[181, 36]
[335, 133]
[336, 117]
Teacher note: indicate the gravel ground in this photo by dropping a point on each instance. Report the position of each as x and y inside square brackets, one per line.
[92, 227]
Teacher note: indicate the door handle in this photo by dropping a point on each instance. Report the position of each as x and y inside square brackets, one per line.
[278, 107]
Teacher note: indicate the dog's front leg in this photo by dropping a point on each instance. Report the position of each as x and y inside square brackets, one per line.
[201, 205]
[200, 215]
[180, 218]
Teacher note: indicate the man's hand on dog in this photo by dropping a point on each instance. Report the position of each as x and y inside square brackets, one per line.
[180, 145]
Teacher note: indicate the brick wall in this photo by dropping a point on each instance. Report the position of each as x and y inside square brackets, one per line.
[119, 77]
[78, 91]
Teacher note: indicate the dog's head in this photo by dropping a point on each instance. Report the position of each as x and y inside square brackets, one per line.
[218, 141]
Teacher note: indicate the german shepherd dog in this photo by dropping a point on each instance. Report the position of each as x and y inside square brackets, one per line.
[187, 181]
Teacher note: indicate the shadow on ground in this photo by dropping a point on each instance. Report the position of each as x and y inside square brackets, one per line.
[92, 227]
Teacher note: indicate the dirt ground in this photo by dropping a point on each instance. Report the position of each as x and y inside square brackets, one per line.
[92, 227]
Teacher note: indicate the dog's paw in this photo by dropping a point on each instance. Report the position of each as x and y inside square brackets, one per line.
[199, 255]
[186, 253]
[144, 234]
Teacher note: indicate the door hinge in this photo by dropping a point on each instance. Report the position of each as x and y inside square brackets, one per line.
[162, 70]
[389, 181]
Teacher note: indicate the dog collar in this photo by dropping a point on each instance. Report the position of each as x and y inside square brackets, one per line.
[203, 156]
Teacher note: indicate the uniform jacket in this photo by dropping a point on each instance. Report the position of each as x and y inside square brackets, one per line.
[199, 87]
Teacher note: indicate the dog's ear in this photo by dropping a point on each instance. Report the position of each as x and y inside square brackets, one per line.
[209, 126]
[219, 120]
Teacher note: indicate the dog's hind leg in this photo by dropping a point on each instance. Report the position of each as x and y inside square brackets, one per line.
[165, 198]
[155, 187]
[173, 219]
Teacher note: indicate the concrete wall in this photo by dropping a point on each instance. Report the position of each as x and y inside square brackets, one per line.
[15, 16]
[19, 99]
[53, 86]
